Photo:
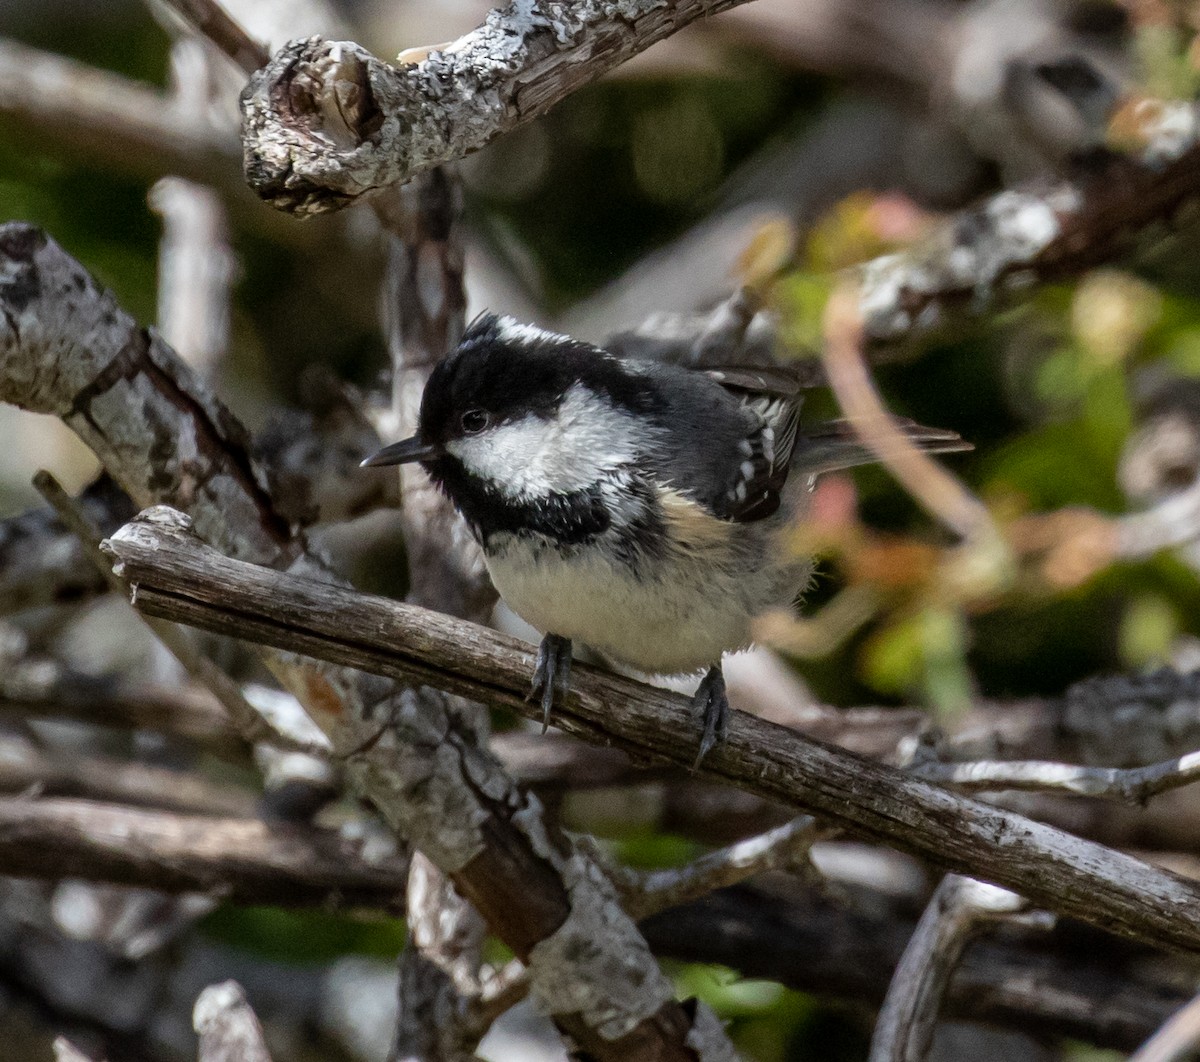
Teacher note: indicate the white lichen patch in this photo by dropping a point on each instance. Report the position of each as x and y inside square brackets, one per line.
[883, 282]
[596, 963]
[412, 771]
[1171, 127]
[1002, 239]
[1018, 228]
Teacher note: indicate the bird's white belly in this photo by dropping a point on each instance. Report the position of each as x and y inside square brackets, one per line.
[666, 626]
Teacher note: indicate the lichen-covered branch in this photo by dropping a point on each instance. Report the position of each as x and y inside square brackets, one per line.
[1037, 232]
[67, 349]
[180, 578]
[326, 122]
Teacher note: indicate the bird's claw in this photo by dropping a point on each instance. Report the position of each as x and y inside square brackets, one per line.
[711, 706]
[552, 674]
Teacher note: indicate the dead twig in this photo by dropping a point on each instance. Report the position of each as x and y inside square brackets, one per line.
[1133, 784]
[782, 848]
[960, 907]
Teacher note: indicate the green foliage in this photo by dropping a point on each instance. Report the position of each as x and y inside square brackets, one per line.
[769, 1023]
[304, 937]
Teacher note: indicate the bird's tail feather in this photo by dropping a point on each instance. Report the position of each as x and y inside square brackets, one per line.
[834, 445]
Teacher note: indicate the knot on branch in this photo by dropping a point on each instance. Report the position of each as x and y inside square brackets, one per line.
[307, 117]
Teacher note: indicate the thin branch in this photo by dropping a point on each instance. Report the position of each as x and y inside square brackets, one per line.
[943, 496]
[25, 769]
[782, 848]
[227, 1027]
[43, 563]
[1133, 784]
[1177, 1041]
[209, 20]
[176, 576]
[327, 122]
[959, 908]
[242, 860]
[196, 269]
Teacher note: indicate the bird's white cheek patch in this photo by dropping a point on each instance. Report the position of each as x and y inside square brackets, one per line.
[533, 457]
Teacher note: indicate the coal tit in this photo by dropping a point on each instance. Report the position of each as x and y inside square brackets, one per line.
[633, 506]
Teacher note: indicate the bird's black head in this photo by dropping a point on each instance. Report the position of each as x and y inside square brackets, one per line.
[522, 415]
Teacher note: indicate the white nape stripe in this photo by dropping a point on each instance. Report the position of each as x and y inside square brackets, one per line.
[510, 330]
[532, 457]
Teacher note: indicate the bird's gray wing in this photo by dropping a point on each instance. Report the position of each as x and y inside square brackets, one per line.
[770, 399]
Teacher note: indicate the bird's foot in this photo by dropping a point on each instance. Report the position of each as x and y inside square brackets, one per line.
[552, 674]
[711, 706]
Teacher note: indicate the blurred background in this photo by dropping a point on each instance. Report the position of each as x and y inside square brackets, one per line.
[773, 146]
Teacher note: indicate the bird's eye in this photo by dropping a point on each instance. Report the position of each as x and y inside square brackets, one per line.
[473, 421]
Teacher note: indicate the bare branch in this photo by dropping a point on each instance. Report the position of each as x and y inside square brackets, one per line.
[210, 20]
[1042, 231]
[327, 122]
[26, 769]
[242, 860]
[227, 1027]
[1133, 784]
[940, 493]
[959, 908]
[178, 577]
[782, 848]
[424, 303]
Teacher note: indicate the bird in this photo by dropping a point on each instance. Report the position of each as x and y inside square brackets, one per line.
[636, 507]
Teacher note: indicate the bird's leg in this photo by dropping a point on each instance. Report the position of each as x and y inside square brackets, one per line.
[552, 674]
[711, 706]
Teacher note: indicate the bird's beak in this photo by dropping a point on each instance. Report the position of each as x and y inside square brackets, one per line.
[403, 452]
